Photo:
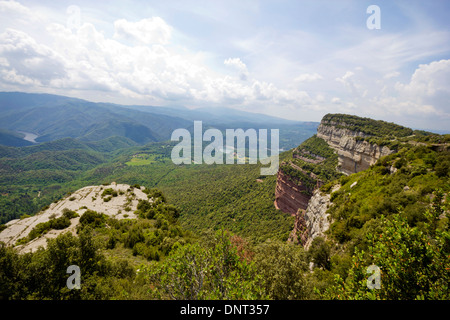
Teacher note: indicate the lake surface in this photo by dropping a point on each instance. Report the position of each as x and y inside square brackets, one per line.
[29, 136]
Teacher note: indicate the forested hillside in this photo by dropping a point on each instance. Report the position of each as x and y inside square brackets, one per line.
[53, 117]
[213, 231]
[394, 215]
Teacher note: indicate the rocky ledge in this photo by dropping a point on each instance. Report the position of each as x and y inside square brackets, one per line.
[121, 204]
[355, 155]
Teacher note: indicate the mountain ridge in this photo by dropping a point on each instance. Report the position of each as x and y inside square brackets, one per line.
[54, 117]
[357, 143]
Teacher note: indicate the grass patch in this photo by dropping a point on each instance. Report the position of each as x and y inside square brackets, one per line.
[141, 159]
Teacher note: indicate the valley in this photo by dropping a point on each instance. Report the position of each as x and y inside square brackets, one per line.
[121, 201]
[196, 156]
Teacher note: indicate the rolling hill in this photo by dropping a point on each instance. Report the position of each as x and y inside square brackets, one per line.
[13, 139]
[53, 117]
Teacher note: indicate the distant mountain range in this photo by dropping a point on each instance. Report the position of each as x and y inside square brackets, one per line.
[53, 117]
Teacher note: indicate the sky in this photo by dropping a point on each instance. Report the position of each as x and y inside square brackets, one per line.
[297, 60]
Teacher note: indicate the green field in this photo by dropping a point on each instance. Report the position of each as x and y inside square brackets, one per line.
[141, 159]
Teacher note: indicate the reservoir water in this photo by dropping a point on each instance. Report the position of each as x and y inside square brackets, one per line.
[29, 136]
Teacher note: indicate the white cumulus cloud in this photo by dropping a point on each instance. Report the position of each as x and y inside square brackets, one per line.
[308, 77]
[147, 31]
[239, 66]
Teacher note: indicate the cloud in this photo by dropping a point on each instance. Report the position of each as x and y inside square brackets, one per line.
[87, 60]
[391, 75]
[27, 62]
[152, 73]
[386, 53]
[308, 77]
[147, 31]
[348, 81]
[239, 66]
[289, 73]
[428, 79]
[428, 90]
[16, 9]
[336, 100]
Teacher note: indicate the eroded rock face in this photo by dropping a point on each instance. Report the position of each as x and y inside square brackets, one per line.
[309, 206]
[290, 196]
[316, 218]
[312, 222]
[121, 206]
[354, 156]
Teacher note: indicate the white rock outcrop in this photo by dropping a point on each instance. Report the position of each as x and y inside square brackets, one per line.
[121, 206]
[353, 155]
[316, 217]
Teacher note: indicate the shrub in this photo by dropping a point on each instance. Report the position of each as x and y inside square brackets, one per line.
[134, 236]
[43, 227]
[443, 169]
[154, 238]
[59, 223]
[414, 263]
[144, 205]
[109, 192]
[192, 272]
[93, 219]
[112, 241]
[69, 213]
[319, 253]
[282, 266]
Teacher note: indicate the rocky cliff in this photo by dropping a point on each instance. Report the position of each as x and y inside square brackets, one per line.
[290, 194]
[314, 221]
[317, 220]
[121, 205]
[354, 155]
[351, 139]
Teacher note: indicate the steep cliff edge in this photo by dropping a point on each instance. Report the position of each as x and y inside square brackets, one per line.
[302, 172]
[291, 194]
[306, 168]
[344, 144]
[354, 153]
[316, 218]
[314, 221]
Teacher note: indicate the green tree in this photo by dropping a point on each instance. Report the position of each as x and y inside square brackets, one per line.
[92, 218]
[283, 267]
[319, 253]
[414, 262]
[212, 272]
[9, 273]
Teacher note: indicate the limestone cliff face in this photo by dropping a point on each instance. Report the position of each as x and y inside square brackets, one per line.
[309, 208]
[354, 155]
[313, 221]
[289, 195]
[317, 220]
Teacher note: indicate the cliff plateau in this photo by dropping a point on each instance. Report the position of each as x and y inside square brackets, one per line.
[354, 155]
[344, 144]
